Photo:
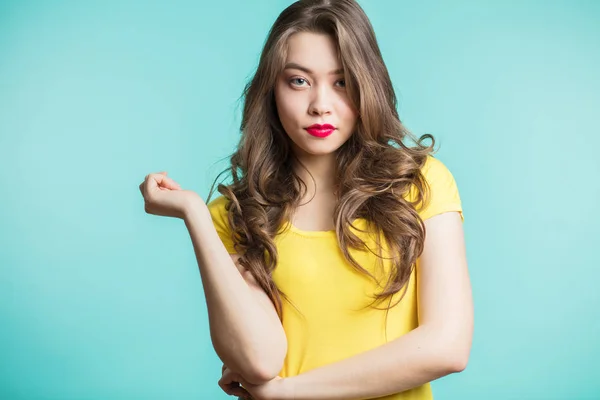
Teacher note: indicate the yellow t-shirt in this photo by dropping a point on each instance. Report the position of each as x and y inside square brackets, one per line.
[332, 322]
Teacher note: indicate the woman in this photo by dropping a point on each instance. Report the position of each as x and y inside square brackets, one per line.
[334, 265]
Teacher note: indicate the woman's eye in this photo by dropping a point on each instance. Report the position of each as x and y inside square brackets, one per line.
[297, 81]
[302, 81]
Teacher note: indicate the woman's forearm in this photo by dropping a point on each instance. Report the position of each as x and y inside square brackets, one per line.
[412, 360]
[246, 334]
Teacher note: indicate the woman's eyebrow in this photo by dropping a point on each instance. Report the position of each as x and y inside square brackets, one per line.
[293, 65]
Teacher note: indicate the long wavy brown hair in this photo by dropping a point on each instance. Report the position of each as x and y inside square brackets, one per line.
[375, 168]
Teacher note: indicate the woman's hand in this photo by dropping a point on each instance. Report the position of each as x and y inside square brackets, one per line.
[275, 389]
[230, 383]
[163, 196]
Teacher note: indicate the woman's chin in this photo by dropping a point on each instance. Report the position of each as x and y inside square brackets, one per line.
[319, 149]
[313, 146]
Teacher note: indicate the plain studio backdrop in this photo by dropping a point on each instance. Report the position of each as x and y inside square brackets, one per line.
[99, 300]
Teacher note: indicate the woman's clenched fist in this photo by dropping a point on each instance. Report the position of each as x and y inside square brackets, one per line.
[165, 197]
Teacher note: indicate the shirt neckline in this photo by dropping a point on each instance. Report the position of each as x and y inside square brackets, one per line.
[329, 233]
[303, 232]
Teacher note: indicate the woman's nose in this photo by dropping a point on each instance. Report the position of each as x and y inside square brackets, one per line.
[320, 102]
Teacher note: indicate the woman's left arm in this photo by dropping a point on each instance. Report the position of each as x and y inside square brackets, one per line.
[439, 346]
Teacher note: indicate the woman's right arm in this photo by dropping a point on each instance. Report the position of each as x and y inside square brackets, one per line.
[245, 330]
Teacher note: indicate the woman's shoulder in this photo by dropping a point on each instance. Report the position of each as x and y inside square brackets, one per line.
[218, 203]
[442, 191]
[433, 168]
[218, 209]
[218, 213]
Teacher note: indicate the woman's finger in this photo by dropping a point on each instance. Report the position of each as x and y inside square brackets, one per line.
[230, 383]
[170, 184]
[238, 391]
[156, 182]
[160, 179]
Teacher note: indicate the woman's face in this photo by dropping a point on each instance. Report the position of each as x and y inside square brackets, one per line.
[311, 90]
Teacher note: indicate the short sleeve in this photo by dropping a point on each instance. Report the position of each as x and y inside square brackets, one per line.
[443, 191]
[218, 213]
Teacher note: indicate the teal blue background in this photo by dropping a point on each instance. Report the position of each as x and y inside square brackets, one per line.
[99, 300]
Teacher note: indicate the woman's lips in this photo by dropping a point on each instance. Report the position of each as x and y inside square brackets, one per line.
[320, 131]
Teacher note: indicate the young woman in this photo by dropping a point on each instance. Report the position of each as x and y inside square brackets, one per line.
[334, 265]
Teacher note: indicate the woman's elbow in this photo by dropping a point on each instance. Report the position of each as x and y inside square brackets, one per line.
[454, 354]
[269, 367]
[457, 347]
[451, 363]
[459, 364]
[457, 358]
[264, 372]
[258, 376]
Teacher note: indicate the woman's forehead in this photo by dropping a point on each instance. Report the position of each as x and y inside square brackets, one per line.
[313, 53]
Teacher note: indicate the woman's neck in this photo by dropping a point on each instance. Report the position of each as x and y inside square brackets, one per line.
[318, 173]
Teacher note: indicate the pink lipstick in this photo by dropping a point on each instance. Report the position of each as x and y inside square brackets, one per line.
[320, 131]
